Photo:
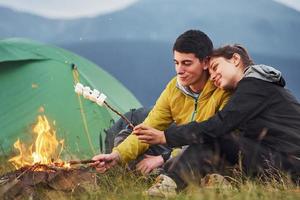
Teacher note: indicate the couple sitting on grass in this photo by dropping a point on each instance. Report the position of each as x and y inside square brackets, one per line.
[257, 126]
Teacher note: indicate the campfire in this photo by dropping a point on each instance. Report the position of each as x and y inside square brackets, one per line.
[39, 166]
[46, 149]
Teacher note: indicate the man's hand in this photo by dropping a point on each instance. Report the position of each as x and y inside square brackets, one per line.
[149, 163]
[149, 135]
[104, 162]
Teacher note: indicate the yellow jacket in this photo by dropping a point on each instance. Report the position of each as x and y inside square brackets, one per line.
[175, 105]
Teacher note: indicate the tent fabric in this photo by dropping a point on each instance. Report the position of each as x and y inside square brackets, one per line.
[39, 79]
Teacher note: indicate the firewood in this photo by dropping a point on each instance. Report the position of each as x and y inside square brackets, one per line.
[29, 181]
[7, 186]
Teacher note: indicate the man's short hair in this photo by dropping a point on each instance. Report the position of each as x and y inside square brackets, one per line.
[194, 41]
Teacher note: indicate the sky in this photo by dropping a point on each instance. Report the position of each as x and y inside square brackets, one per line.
[70, 9]
[291, 3]
[67, 9]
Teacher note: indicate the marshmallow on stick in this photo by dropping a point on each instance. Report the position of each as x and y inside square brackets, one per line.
[97, 97]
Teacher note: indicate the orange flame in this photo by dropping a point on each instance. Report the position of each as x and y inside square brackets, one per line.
[45, 147]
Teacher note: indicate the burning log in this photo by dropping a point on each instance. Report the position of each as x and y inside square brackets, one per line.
[28, 182]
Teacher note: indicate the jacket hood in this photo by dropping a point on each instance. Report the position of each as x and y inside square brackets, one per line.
[266, 73]
[208, 89]
[186, 90]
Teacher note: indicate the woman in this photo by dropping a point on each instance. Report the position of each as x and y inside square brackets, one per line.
[261, 123]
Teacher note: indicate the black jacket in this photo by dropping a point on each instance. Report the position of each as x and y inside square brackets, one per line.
[262, 111]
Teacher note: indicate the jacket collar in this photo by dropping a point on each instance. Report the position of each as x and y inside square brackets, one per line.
[208, 89]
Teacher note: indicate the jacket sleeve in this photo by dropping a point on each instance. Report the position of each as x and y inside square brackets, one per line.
[160, 117]
[247, 102]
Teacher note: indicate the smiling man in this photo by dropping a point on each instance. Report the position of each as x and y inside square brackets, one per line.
[190, 96]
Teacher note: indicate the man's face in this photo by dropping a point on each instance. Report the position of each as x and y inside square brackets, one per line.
[189, 68]
[223, 72]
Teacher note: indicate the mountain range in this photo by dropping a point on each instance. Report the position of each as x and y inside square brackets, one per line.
[135, 44]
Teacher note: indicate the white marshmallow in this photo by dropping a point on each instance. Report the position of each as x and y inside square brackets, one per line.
[93, 97]
[101, 99]
[86, 92]
[79, 88]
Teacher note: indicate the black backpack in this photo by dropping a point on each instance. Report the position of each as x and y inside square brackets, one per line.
[120, 130]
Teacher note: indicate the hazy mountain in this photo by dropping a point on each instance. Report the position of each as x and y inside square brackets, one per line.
[18, 24]
[134, 44]
[263, 25]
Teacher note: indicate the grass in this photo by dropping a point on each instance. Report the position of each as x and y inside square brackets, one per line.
[119, 184]
[5, 165]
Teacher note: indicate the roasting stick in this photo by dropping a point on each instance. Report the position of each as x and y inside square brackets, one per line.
[76, 162]
[118, 113]
[99, 98]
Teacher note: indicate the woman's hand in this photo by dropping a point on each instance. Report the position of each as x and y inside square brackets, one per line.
[149, 135]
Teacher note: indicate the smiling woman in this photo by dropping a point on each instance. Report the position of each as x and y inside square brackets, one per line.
[68, 9]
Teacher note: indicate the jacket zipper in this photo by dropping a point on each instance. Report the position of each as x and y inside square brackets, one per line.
[195, 109]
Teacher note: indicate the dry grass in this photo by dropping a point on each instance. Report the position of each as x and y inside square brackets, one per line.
[119, 184]
[5, 165]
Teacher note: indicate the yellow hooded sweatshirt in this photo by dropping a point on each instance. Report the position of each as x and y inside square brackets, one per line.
[175, 104]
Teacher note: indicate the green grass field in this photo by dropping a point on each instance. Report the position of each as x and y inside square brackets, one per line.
[118, 184]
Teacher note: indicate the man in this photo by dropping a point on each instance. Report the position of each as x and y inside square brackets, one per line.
[261, 122]
[190, 96]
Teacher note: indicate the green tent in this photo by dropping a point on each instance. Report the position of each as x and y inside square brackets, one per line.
[39, 79]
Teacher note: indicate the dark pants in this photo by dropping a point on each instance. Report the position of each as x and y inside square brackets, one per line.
[199, 160]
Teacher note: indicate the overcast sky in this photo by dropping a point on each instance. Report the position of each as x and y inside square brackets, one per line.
[84, 8]
[291, 3]
[67, 8]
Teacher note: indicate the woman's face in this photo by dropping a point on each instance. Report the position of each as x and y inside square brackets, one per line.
[224, 72]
